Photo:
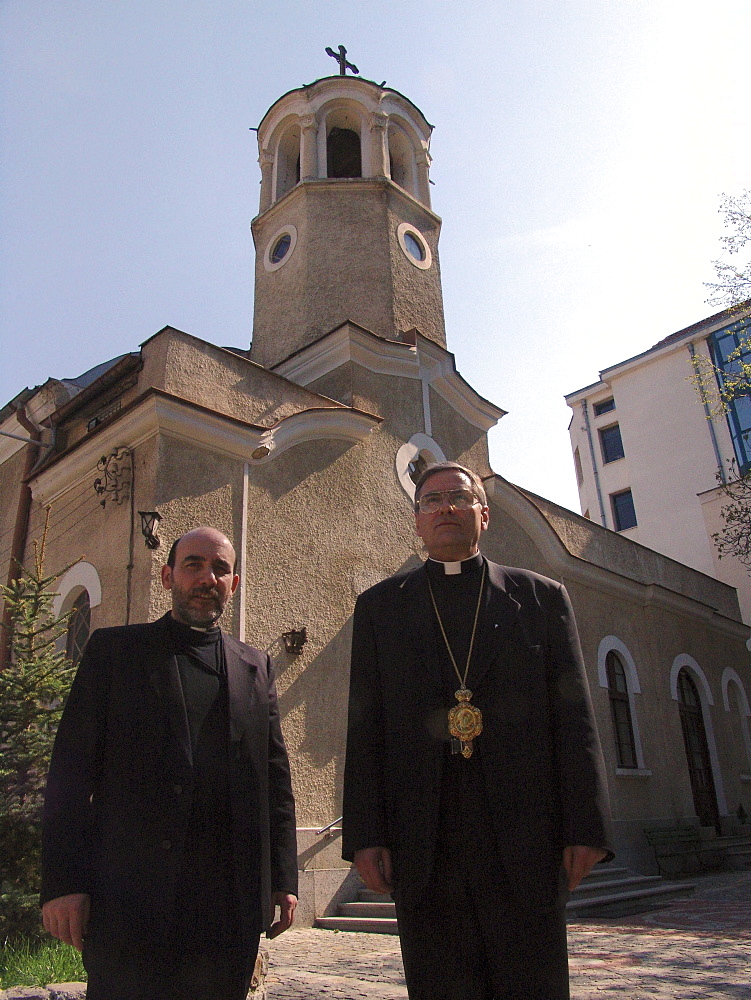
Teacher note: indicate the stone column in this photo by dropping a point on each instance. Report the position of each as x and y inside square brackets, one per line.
[422, 160]
[308, 148]
[266, 160]
[379, 146]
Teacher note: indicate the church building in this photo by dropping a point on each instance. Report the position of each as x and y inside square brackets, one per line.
[304, 448]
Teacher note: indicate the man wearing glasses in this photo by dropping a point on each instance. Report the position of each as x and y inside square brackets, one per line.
[473, 786]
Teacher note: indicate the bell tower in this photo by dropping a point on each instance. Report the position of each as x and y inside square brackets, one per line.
[345, 231]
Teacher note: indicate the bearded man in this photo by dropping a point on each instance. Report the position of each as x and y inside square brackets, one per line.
[169, 824]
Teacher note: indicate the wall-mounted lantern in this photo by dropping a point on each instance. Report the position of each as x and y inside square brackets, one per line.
[149, 526]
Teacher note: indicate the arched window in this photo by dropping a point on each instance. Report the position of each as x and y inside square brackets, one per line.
[697, 751]
[288, 162]
[417, 466]
[401, 159]
[620, 710]
[343, 154]
[414, 456]
[79, 628]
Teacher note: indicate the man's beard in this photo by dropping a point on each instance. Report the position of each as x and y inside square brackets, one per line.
[203, 615]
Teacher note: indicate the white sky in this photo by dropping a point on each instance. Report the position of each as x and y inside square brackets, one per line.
[580, 150]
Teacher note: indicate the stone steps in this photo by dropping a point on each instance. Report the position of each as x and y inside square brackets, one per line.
[611, 891]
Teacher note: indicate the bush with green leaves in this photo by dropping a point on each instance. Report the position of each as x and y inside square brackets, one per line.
[33, 688]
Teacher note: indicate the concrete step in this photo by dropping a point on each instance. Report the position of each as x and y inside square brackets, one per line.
[601, 873]
[621, 904]
[365, 909]
[368, 925]
[587, 888]
[609, 891]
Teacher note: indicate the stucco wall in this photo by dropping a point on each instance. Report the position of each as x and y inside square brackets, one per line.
[220, 380]
[347, 265]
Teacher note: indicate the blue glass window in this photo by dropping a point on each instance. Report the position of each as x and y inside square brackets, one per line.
[620, 710]
[604, 407]
[413, 246]
[610, 443]
[281, 248]
[721, 346]
[624, 514]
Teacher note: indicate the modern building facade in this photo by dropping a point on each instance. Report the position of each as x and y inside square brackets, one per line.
[648, 452]
[304, 451]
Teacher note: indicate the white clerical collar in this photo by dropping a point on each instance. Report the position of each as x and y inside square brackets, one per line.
[456, 568]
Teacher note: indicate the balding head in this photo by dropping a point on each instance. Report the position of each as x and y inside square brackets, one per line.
[210, 532]
[200, 573]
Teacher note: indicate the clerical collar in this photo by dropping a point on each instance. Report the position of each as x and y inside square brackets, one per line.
[438, 568]
[188, 635]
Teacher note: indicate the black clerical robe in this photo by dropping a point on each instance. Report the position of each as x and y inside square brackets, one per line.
[538, 754]
[123, 785]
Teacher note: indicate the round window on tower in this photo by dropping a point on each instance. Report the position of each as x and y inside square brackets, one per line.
[280, 248]
[413, 245]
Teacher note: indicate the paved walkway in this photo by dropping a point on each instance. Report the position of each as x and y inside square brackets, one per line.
[699, 947]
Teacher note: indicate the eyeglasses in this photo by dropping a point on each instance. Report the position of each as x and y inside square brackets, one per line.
[429, 503]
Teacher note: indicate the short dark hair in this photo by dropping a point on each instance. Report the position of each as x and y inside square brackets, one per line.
[172, 557]
[172, 554]
[477, 486]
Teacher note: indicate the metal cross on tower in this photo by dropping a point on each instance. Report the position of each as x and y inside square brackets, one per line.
[342, 60]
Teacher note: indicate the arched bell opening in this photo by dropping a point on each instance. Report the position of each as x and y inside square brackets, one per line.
[287, 161]
[343, 154]
[402, 160]
[343, 143]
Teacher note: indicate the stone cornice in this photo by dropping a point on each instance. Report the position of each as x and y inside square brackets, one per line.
[161, 413]
[426, 361]
[443, 377]
[320, 185]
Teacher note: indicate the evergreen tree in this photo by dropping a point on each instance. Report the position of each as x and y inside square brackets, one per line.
[33, 688]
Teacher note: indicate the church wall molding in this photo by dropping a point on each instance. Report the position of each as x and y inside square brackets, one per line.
[418, 444]
[323, 184]
[427, 362]
[442, 376]
[570, 568]
[730, 676]
[160, 413]
[81, 576]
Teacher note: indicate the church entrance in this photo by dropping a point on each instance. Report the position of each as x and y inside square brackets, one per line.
[697, 752]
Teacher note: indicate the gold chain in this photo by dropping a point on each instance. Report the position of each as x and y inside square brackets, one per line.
[462, 680]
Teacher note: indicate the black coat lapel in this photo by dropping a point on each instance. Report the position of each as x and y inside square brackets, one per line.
[498, 624]
[241, 679]
[164, 677]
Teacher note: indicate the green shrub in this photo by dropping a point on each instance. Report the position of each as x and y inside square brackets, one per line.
[33, 688]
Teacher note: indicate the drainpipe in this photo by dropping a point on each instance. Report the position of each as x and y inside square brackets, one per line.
[242, 549]
[588, 429]
[21, 527]
[710, 423]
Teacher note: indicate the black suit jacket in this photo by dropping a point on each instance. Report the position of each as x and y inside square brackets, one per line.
[119, 789]
[539, 751]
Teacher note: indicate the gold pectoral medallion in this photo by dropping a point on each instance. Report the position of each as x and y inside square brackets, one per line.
[465, 721]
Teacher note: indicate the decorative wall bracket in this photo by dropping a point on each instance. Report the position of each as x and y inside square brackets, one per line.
[116, 477]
